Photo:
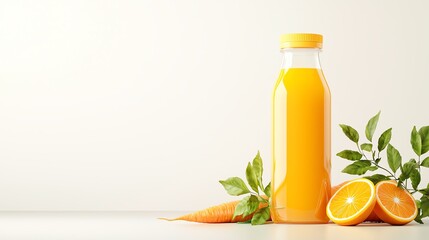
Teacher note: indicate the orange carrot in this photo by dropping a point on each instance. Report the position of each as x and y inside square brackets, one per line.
[222, 213]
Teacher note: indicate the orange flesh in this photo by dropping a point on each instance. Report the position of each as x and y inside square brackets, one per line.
[352, 203]
[396, 200]
[358, 193]
[372, 217]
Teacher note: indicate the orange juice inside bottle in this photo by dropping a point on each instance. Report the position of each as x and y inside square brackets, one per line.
[301, 134]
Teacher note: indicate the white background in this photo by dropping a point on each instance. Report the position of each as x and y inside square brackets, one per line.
[145, 105]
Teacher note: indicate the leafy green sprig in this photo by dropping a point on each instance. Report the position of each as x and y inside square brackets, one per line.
[235, 186]
[367, 158]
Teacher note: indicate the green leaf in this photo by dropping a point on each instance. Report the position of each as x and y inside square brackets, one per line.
[425, 162]
[371, 126]
[377, 160]
[399, 184]
[424, 191]
[424, 135]
[393, 158]
[418, 218]
[235, 186]
[419, 212]
[350, 155]
[359, 167]
[267, 190]
[252, 206]
[261, 216]
[416, 141]
[418, 203]
[241, 207]
[377, 178]
[366, 147]
[372, 168]
[245, 222]
[407, 168]
[384, 139]
[246, 206]
[251, 178]
[425, 207]
[350, 132]
[415, 178]
[402, 178]
[258, 169]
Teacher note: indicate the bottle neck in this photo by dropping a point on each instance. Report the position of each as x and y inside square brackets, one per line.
[301, 58]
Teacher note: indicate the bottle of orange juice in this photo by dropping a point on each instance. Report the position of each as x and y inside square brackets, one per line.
[301, 134]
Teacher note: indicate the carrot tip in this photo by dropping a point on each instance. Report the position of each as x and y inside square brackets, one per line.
[168, 219]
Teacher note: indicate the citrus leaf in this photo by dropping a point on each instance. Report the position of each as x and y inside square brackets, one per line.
[252, 206]
[418, 203]
[425, 162]
[393, 158]
[241, 207]
[246, 206]
[251, 178]
[384, 139]
[359, 167]
[258, 168]
[408, 167]
[245, 222]
[366, 147]
[372, 168]
[350, 155]
[267, 190]
[377, 178]
[415, 178]
[235, 186]
[424, 191]
[418, 219]
[371, 126]
[350, 132]
[416, 141]
[399, 183]
[424, 135]
[261, 216]
[425, 207]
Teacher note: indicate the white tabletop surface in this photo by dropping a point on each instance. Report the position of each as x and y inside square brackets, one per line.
[145, 225]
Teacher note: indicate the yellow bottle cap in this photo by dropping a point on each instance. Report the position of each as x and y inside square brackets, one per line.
[301, 40]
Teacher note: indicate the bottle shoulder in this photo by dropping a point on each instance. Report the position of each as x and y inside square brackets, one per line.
[301, 79]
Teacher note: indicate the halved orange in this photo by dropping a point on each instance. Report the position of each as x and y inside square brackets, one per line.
[335, 188]
[394, 204]
[372, 217]
[352, 203]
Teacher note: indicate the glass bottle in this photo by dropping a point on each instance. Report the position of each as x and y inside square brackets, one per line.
[301, 134]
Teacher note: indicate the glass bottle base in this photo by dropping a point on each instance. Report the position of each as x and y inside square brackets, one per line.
[290, 216]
